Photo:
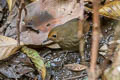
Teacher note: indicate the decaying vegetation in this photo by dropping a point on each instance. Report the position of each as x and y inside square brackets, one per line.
[59, 39]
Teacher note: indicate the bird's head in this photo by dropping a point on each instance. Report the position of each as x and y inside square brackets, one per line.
[53, 39]
[53, 35]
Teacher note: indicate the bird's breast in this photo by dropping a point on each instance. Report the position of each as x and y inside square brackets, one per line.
[70, 44]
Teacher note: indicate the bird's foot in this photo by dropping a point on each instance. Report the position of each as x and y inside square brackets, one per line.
[83, 61]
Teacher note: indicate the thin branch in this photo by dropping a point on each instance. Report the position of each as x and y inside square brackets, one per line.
[18, 26]
[95, 40]
[21, 7]
[75, 77]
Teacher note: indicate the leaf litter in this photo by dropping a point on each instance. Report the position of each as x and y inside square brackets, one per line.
[31, 37]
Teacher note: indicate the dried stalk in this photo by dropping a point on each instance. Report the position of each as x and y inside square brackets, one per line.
[80, 30]
[21, 7]
[95, 40]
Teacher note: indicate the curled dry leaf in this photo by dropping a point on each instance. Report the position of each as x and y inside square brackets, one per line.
[36, 59]
[76, 67]
[111, 10]
[8, 46]
[104, 50]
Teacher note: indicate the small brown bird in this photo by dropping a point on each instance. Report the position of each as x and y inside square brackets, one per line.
[66, 35]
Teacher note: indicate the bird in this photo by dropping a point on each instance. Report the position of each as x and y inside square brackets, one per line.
[66, 35]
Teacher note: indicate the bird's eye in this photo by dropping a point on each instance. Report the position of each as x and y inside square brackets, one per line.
[54, 36]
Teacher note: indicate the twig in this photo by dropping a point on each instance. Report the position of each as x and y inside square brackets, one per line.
[75, 77]
[95, 40]
[21, 7]
[80, 30]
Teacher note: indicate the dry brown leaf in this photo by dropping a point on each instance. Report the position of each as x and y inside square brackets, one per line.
[48, 14]
[76, 67]
[60, 11]
[8, 46]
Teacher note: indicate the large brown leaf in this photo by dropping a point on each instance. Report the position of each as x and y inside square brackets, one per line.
[44, 15]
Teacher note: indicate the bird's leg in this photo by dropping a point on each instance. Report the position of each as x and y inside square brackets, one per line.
[81, 50]
[62, 63]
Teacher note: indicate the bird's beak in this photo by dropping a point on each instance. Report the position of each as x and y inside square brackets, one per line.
[50, 44]
[47, 42]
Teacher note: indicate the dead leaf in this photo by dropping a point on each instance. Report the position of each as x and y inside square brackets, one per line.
[32, 38]
[36, 59]
[8, 46]
[57, 12]
[113, 72]
[76, 67]
[104, 50]
[11, 3]
[46, 15]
